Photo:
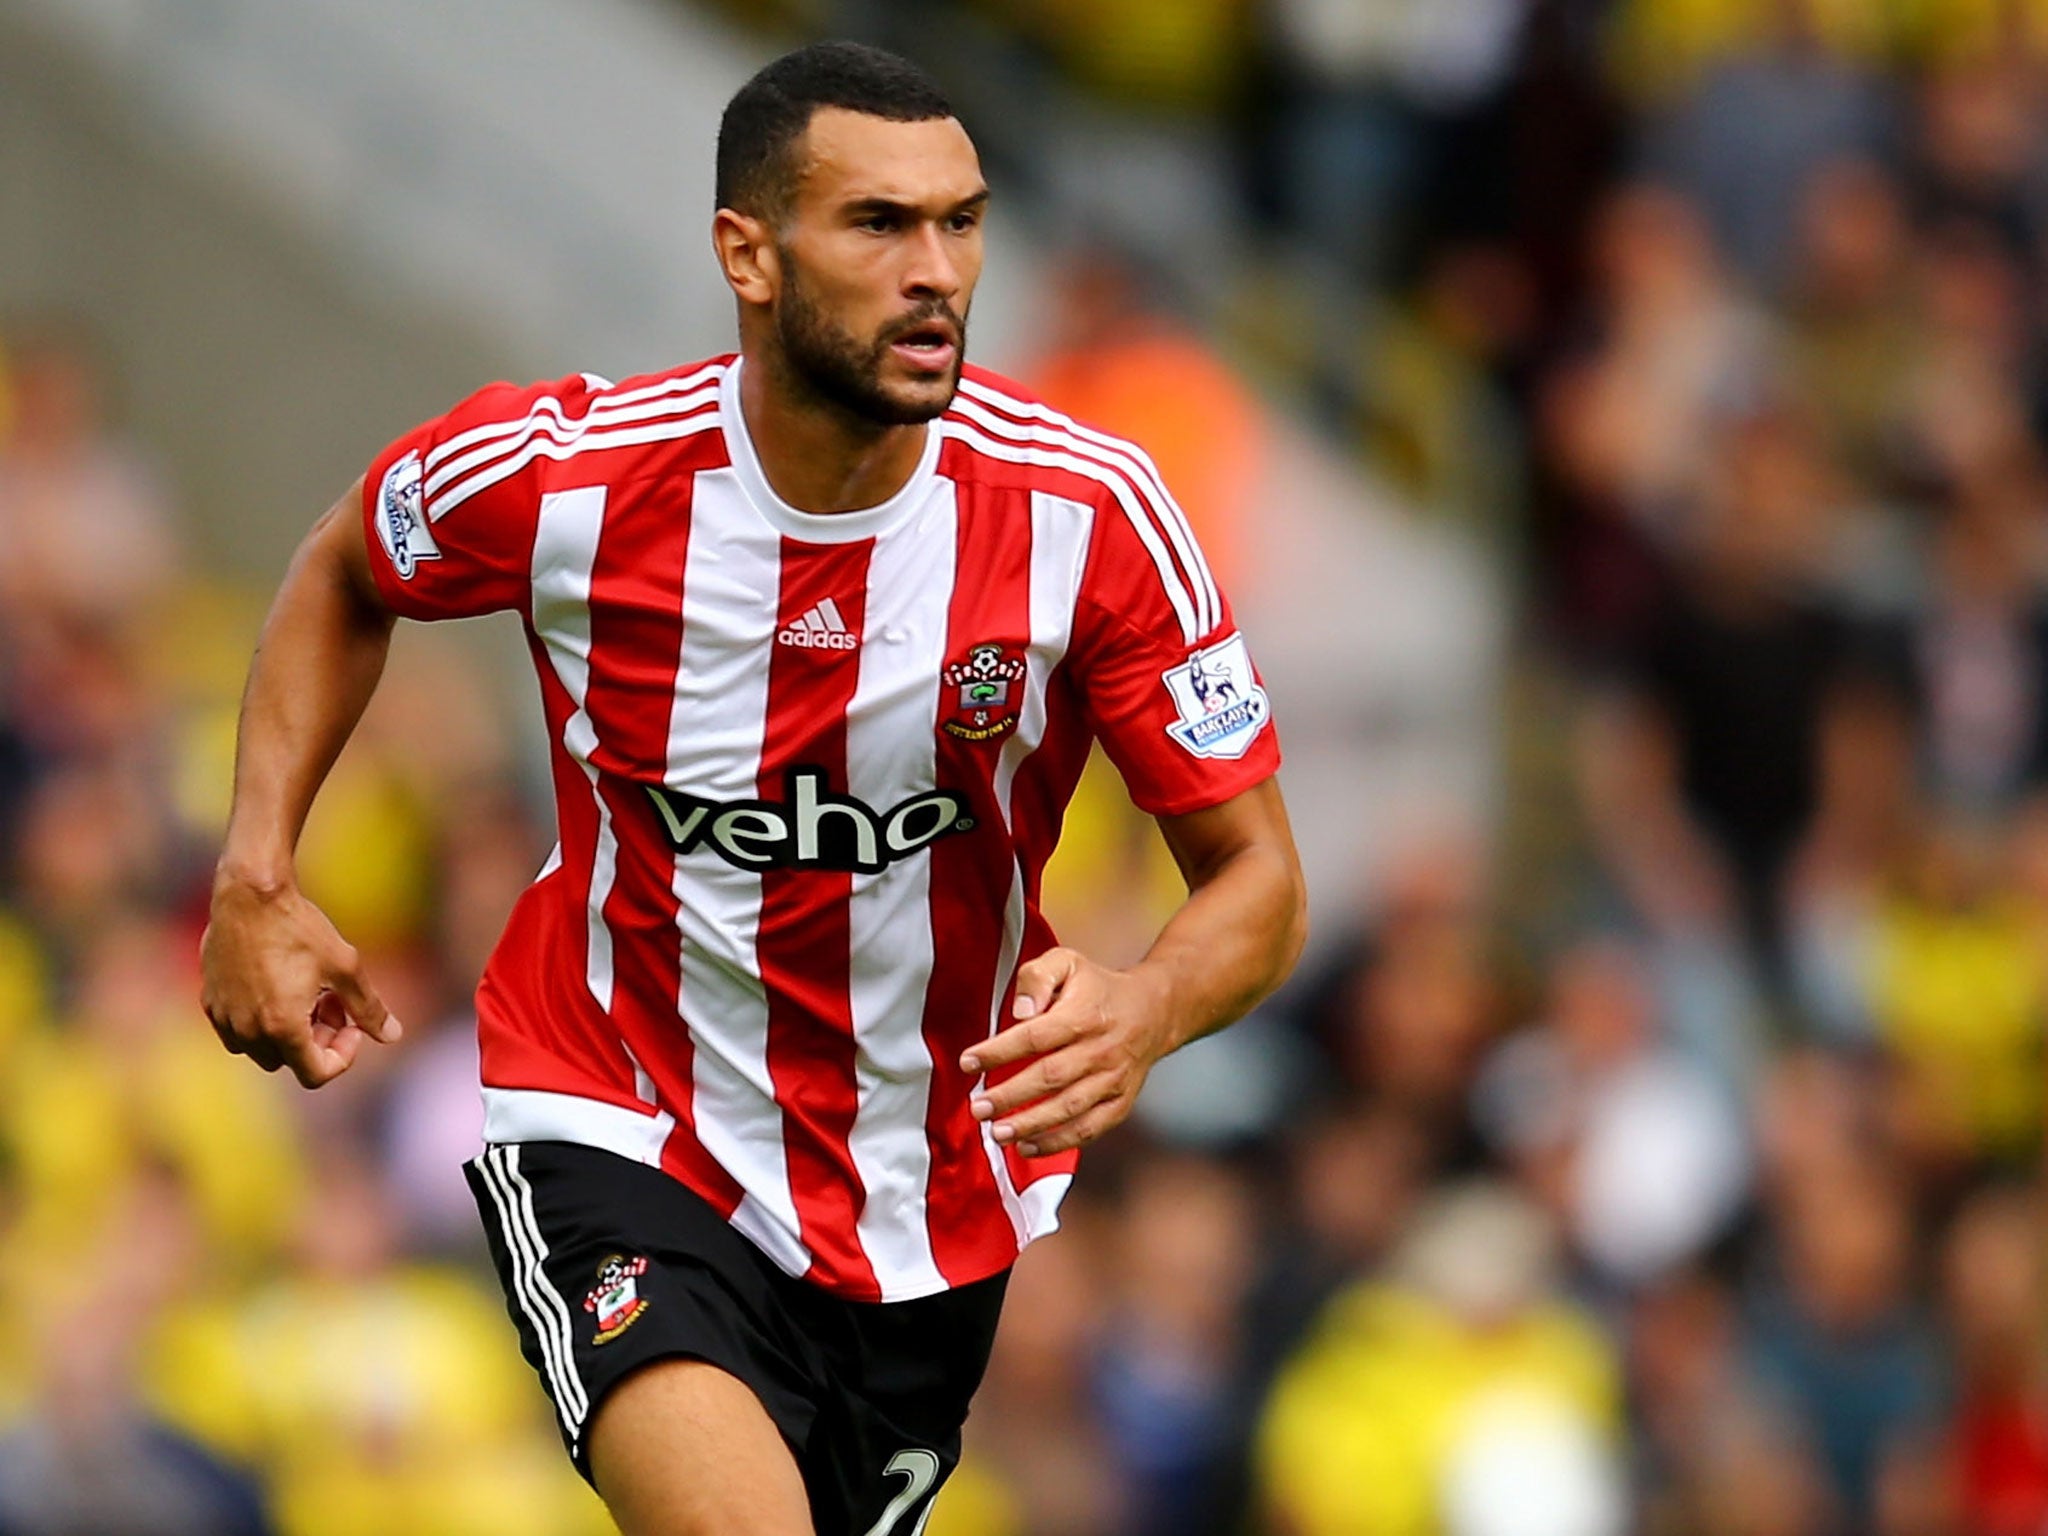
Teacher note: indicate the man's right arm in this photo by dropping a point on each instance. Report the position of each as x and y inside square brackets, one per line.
[280, 985]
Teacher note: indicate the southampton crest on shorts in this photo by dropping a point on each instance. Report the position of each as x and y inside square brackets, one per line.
[616, 1300]
[984, 688]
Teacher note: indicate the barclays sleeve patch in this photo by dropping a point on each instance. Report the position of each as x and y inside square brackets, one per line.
[1221, 706]
[401, 518]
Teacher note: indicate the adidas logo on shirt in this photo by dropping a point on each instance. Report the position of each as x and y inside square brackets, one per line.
[820, 629]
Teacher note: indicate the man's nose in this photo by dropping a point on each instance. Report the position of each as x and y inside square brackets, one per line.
[930, 269]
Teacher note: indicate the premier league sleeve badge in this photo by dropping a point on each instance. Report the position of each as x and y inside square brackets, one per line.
[1220, 705]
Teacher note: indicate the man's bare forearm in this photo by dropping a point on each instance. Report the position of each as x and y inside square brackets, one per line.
[1231, 942]
[319, 659]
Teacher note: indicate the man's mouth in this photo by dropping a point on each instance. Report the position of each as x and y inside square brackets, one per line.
[929, 348]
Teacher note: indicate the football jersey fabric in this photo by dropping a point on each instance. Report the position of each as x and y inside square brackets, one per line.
[808, 769]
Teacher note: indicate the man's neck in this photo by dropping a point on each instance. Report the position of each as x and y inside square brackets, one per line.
[816, 456]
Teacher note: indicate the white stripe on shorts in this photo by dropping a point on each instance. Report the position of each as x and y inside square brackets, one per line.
[532, 1289]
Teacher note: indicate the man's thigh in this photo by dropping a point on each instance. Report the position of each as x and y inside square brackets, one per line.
[680, 1448]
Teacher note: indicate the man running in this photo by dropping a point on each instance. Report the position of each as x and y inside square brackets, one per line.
[781, 1065]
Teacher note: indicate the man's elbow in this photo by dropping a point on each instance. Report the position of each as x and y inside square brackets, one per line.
[1290, 924]
[1294, 938]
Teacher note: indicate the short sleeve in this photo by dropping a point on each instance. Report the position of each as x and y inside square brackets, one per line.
[449, 510]
[1165, 676]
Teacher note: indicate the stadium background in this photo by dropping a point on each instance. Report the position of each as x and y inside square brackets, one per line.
[1622, 423]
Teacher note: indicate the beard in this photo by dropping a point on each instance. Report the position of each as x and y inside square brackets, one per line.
[840, 369]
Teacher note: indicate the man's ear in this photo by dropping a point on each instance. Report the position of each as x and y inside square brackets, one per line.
[746, 253]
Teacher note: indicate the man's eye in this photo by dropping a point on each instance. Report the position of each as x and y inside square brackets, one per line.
[879, 223]
[961, 223]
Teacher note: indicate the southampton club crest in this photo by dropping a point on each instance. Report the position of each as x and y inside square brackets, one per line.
[615, 1300]
[985, 687]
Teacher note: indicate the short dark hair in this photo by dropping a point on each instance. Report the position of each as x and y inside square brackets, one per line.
[756, 168]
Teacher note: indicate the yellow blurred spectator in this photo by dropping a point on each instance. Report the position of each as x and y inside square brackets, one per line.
[1111, 884]
[135, 1077]
[366, 857]
[1169, 53]
[1414, 1398]
[1955, 31]
[434, 733]
[376, 1396]
[1958, 989]
[79, 1450]
[1660, 46]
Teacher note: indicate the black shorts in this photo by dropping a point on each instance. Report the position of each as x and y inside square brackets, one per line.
[609, 1264]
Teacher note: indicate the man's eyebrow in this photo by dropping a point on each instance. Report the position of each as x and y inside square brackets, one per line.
[867, 206]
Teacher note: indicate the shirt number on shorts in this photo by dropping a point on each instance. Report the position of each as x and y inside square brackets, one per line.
[922, 1468]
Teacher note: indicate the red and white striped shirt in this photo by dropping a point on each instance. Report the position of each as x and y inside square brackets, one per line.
[808, 769]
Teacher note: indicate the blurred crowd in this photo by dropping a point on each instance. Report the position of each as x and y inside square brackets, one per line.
[1668, 1156]
[229, 1307]
[1665, 1157]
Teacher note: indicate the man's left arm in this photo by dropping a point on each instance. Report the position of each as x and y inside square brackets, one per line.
[1088, 1035]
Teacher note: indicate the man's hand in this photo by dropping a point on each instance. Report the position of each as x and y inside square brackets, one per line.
[1090, 1035]
[1086, 1036]
[282, 987]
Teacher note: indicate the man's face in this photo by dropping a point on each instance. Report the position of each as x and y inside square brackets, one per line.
[880, 253]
